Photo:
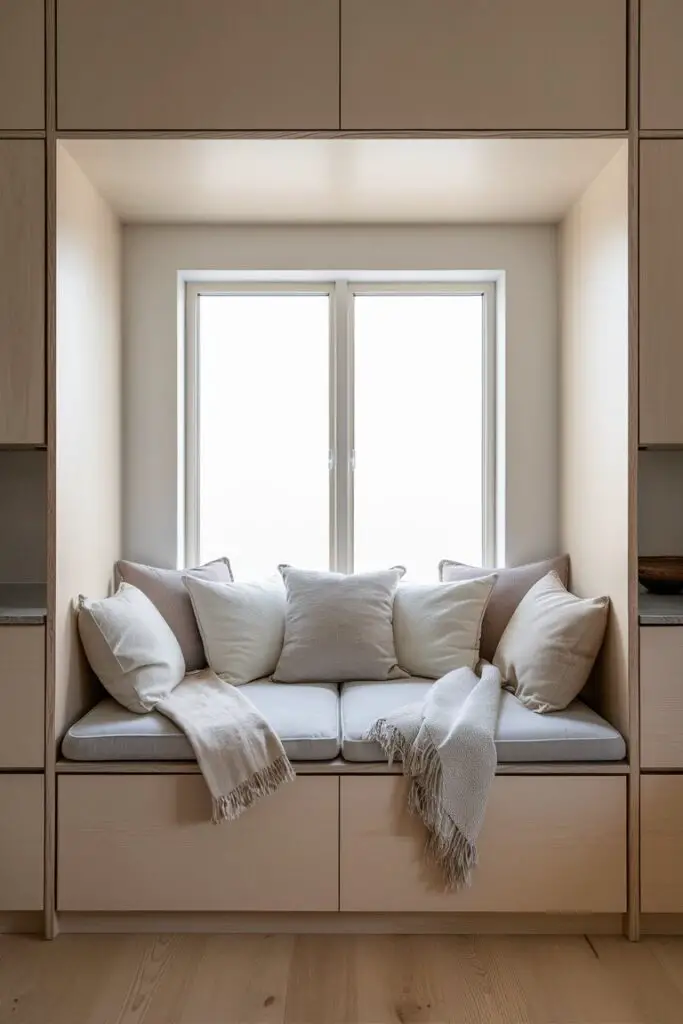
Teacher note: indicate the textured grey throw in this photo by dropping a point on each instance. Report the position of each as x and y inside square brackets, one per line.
[448, 751]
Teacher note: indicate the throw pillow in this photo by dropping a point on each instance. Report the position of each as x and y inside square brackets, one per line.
[338, 627]
[131, 648]
[164, 588]
[437, 627]
[242, 626]
[550, 645]
[510, 587]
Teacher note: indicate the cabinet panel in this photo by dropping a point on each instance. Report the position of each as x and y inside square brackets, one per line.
[661, 68]
[454, 64]
[146, 842]
[22, 65]
[22, 292]
[661, 851]
[22, 696]
[197, 64]
[549, 845]
[661, 696]
[21, 842]
[661, 295]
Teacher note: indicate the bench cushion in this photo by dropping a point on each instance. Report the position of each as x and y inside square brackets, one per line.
[575, 734]
[306, 718]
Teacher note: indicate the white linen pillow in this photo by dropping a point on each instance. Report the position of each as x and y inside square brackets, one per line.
[437, 626]
[550, 645]
[338, 627]
[131, 648]
[242, 626]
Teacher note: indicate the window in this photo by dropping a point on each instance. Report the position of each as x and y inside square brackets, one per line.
[340, 425]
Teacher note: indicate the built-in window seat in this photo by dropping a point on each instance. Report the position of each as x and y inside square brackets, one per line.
[320, 722]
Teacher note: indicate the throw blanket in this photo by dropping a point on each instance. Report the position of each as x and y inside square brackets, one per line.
[240, 756]
[448, 751]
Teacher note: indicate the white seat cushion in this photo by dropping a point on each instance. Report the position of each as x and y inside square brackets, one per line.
[575, 734]
[306, 718]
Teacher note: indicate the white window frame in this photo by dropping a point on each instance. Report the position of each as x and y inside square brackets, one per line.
[341, 292]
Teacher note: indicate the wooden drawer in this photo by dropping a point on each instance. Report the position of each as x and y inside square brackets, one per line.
[22, 65]
[661, 850]
[21, 842]
[503, 64]
[661, 696]
[146, 842]
[549, 844]
[22, 696]
[198, 64]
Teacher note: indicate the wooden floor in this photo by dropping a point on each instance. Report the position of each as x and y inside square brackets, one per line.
[365, 980]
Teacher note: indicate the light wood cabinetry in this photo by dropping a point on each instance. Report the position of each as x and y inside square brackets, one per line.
[549, 844]
[197, 64]
[21, 842]
[661, 68]
[22, 696]
[146, 842]
[454, 64]
[22, 292]
[22, 65]
[661, 295]
[661, 696]
[661, 850]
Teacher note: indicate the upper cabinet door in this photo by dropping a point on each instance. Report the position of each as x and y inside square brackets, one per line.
[22, 292]
[661, 66]
[489, 64]
[661, 295]
[22, 65]
[143, 65]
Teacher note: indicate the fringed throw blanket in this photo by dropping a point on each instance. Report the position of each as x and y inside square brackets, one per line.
[240, 756]
[448, 752]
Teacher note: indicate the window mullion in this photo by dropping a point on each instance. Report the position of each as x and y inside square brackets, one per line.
[341, 431]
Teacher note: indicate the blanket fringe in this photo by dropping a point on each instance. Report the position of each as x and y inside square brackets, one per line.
[454, 853]
[262, 783]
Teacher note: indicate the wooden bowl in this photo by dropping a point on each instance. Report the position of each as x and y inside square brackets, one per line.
[661, 574]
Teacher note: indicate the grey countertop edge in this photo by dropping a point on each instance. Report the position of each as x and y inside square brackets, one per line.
[660, 609]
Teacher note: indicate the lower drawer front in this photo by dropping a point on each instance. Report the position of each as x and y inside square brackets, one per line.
[549, 844]
[661, 851]
[146, 842]
[21, 842]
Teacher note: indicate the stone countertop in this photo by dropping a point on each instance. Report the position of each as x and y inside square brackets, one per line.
[23, 604]
[660, 609]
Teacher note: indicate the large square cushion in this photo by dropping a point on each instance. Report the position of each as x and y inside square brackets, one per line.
[575, 734]
[306, 718]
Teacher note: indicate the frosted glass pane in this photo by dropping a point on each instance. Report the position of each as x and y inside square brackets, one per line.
[418, 431]
[264, 431]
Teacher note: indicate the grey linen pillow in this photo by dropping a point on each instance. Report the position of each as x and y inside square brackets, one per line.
[166, 591]
[338, 627]
[510, 587]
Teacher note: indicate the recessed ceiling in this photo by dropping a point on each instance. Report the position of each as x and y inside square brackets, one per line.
[314, 181]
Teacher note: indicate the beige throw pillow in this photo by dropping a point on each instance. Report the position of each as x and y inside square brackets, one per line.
[550, 645]
[165, 589]
[338, 627]
[131, 648]
[511, 586]
[437, 627]
[242, 626]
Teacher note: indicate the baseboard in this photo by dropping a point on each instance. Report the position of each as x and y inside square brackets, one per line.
[661, 924]
[344, 923]
[21, 922]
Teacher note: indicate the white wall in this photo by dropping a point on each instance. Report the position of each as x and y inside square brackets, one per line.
[594, 442]
[88, 397]
[154, 255]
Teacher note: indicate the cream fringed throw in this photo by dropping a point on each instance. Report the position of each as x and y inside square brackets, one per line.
[448, 752]
[240, 756]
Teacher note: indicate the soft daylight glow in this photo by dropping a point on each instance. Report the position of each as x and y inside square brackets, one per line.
[418, 431]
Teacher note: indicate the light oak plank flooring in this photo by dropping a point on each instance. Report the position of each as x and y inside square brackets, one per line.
[312, 979]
